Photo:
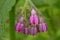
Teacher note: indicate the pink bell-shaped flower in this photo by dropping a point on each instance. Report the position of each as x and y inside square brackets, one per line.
[33, 17]
[19, 25]
[26, 31]
[43, 27]
[33, 31]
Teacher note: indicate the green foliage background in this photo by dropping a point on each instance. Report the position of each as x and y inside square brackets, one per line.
[49, 8]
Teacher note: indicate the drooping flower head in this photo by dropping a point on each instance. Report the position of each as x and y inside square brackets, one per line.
[33, 17]
[33, 26]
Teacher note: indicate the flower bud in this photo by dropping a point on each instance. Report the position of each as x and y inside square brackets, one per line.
[43, 27]
[19, 27]
[21, 19]
[33, 12]
[40, 19]
[33, 30]
[33, 17]
[26, 31]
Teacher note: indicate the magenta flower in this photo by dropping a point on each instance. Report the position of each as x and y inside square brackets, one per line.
[43, 27]
[33, 17]
[29, 29]
[20, 25]
[33, 30]
[26, 31]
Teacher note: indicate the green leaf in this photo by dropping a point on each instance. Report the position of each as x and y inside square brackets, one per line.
[57, 4]
[40, 3]
[5, 7]
[44, 3]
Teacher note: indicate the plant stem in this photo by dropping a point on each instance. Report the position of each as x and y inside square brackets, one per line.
[32, 4]
[12, 22]
[26, 4]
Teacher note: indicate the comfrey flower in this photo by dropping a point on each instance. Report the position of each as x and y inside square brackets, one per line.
[33, 17]
[42, 26]
[19, 25]
[33, 31]
[26, 31]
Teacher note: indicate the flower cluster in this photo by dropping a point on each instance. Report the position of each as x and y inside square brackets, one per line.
[37, 24]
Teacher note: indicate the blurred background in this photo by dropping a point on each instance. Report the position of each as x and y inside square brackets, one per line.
[49, 8]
